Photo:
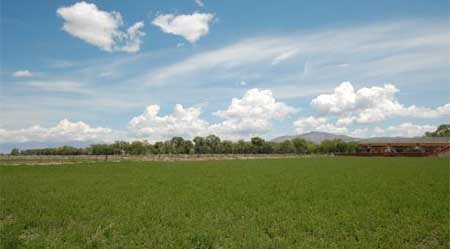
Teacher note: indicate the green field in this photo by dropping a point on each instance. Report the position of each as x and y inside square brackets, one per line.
[279, 203]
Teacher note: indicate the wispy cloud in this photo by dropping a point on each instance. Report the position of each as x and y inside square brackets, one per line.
[56, 86]
[199, 3]
[285, 55]
[228, 58]
[23, 74]
[371, 52]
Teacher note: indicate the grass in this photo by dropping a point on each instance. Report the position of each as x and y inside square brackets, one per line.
[280, 203]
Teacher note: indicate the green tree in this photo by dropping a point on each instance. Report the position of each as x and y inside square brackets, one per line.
[101, 149]
[328, 146]
[178, 145]
[242, 147]
[120, 148]
[200, 145]
[227, 147]
[15, 152]
[285, 147]
[137, 148]
[189, 147]
[257, 144]
[301, 145]
[442, 131]
[214, 144]
[168, 148]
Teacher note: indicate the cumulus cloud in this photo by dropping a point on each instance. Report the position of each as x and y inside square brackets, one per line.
[363, 106]
[199, 3]
[302, 124]
[252, 114]
[410, 130]
[370, 104]
[312, 123]
[22, 73]
[184, 122]
[65, 130]
[100, 28]
[132, 38]
[400, 130]
[190, 27]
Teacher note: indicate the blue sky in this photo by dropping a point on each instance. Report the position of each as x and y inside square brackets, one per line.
[106, 70]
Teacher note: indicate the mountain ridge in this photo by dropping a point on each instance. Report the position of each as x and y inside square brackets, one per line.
[315, 137]
[318, 137]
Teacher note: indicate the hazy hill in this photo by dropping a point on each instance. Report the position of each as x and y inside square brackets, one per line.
[316, 137]
[7, 147]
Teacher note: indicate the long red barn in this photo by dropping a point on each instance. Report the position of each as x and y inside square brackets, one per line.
[420, 146]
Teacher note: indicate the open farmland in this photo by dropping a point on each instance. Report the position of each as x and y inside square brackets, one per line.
[272, 203]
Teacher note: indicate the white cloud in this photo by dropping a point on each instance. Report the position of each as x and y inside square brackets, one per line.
[250, 115]
[407, 52]
[57, 86]
[400, 130]
[185, 122]
[410, 130]
[230, 58]
[302, 124]
[285, 55]
[425, 112]
[65, 130]
[341, 100]
[332, 128]
[132, 39]
[312, 123]
[199, 3]
[100, 28]
[23, 73]
[253, 114]
[370, 104]
[191, 27]
[413, 53]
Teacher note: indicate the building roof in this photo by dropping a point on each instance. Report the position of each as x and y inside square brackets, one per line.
[413, 140]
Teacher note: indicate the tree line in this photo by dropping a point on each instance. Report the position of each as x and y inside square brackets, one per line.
[442, 131]
[200, 145]
[214, 145]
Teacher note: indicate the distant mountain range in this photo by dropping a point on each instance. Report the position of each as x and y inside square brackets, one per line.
[7, 147]
[316, 137]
